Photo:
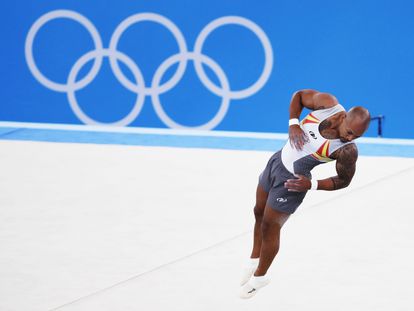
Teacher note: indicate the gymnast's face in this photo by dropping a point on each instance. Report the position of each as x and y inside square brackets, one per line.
[351, 128]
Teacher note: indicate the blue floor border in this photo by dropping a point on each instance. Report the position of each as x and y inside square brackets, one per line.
[183, 141]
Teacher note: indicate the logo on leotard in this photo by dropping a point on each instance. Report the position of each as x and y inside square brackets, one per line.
[313, 135]
[281, 200]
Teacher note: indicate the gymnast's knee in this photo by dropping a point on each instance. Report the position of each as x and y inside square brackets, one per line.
[270, 226]
[258, 212]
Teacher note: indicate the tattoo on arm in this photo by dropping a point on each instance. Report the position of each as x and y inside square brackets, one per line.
[345, 166]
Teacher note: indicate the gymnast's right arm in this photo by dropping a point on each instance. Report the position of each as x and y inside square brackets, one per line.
[311, 99]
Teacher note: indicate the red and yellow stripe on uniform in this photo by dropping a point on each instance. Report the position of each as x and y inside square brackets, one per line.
[310, 118]
[322, 154]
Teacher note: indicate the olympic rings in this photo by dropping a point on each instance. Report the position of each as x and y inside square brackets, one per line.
[138, 86]
[130, 64]
[29, 49]
[264, 41]
[217, 70]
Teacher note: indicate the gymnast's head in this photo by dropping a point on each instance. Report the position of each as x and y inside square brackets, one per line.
[354, 124]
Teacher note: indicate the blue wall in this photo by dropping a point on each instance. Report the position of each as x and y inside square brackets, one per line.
[361, 51]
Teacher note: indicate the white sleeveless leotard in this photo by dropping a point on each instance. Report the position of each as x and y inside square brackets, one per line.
[317, 149]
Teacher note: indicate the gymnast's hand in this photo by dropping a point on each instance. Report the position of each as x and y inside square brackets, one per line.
[300, 184]
[297, 137]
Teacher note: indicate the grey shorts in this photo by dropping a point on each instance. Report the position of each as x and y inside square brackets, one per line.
[272, 181]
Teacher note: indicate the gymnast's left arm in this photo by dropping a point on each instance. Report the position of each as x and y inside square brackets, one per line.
[346, 158]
